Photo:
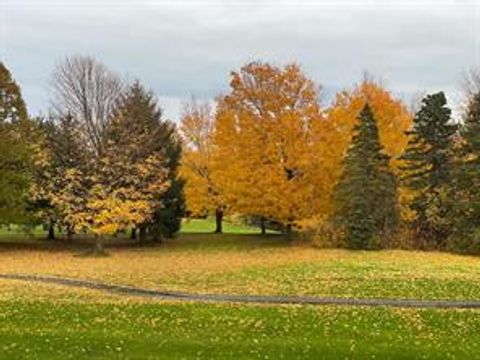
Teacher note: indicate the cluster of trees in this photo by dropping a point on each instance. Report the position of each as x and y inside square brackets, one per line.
[363, 171]
[272, 153]
[104, 161]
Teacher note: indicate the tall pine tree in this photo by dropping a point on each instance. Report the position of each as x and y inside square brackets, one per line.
[365, 196]
[466, 184]
[428, 165]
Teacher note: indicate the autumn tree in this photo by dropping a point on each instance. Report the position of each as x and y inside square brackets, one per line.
[365, 197]
[143, 129]
[15, 150]
[84, 93]
[333, 136]
[203, 195]
[263, 142]
[55, 192]
[126, 170]
[429, 159]
[124, 185]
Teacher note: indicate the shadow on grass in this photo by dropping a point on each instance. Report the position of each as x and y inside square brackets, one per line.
[184, 241]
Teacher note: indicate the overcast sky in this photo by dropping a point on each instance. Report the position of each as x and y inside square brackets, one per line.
[183, 48]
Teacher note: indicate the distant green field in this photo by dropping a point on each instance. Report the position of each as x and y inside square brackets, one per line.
[208, 226]
[189, 226]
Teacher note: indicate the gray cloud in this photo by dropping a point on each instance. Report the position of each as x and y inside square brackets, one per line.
[189, 47]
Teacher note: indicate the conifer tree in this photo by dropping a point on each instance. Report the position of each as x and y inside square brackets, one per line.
[365, 196]
[139, 129]
[428, 165]
[334, 136]
[466, 184]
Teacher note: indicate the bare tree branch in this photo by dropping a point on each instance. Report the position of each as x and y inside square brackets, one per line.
[87, 90]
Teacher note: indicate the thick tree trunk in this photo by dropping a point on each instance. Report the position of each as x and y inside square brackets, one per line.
[51, 230]
[133, 234]
[263, 227]
[142, 235]
[219, 221]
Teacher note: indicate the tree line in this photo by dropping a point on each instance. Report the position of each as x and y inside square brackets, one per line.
[364, 172]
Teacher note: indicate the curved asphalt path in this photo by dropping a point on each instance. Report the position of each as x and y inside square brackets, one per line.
[258, 299]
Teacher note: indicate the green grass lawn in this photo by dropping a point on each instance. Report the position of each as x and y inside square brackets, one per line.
[15, 233]
[21, 233]
[44, 330]
[208, 226]
[54, 322]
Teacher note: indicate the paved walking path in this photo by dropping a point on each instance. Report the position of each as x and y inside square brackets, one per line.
[259, 299]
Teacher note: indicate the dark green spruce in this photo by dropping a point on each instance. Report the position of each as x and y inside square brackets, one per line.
[365, 196]
[429, 160]
[466, 184]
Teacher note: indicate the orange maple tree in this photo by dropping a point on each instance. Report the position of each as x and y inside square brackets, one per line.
[263, 140]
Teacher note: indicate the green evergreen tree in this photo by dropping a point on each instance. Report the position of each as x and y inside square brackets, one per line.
[167, 219]
[145, 132]
[15, 159]
[365, 196]
[429, 160]
[465, 186]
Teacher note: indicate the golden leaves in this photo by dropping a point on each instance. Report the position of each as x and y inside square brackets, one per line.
[263, 142]
[271, 151]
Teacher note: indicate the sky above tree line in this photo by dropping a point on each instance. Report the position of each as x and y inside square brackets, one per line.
[187, 48]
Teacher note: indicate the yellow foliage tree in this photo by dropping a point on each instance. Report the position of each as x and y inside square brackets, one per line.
[203, 196]
[118, 192]
[263, 142]
[116, 187]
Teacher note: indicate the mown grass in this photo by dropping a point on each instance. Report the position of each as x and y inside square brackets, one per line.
[40, 321]
[196, 226]
[22, 234]
[267, 265]
[46, 330]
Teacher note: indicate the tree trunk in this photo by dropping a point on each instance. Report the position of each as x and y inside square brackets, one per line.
[142, 235]
[133, 234]
[218, 221]
[263, 227]
[157, 238]
[51, 230]
[98, 250]
[69, 233]
[289, 231]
